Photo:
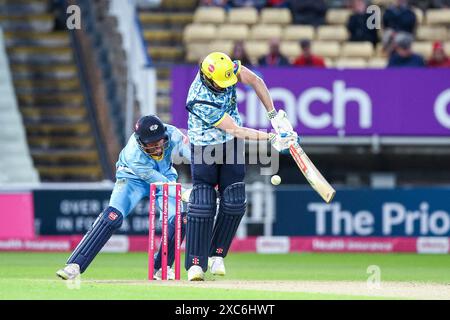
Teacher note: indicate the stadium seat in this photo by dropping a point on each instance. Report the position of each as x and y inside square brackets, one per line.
[290, 49]
[327, 49]
[423, 48]
[232, 32]
[265, 32]
[225, 46]
[256, 49]
[247, 15]
[383, 3]
[419, 15]
[337, 33]
[214, 15]
[337, 16]
[357, 49]
[447, 47]
[329, 63]
[427, 33]
[195, 52]
[281, 16]
[199, 32]
[298, 32]
[377, 63]
[438, 16]
[353, 63]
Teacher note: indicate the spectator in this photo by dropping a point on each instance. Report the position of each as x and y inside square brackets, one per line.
[258, 4]
[278, 3]
[387, 41]
[308, 11]
[239, 53]
[400, 17]
[403, 55]
[274, 57]
[307, 59]
[439, 58]
[357, 24]
[213, 3]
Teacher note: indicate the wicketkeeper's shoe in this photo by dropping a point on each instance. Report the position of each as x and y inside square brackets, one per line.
[195, 273]
[170, 274]
[69, 272]
[216, 266]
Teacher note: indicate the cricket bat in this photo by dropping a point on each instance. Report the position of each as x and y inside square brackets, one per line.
[312, 175]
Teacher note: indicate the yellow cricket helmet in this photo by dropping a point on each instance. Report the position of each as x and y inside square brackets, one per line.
[218, 67]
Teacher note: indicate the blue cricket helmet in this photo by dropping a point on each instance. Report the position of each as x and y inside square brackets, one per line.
[149, 129]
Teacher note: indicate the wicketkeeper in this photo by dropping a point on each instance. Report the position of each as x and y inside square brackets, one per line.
[146, 158]
[215, 124]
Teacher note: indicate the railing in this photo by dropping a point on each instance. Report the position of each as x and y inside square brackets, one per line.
[142, 75]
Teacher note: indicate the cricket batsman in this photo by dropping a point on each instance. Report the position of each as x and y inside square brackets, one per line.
[146, 158]
[215, 124]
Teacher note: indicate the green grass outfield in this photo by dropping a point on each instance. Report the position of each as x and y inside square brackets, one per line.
[122, 276]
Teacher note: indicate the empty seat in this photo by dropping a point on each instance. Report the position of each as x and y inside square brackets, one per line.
[290, 49]
[247, 15]
[225, 46]
[276, 16]
[233, 32]
[423, 48]
[354, 63]
[438, 16]
[383, 3]
[199, 32]
[327, 49]
[428, 33]
[338, 16]
[447, 47]
[338, 33]
[377, 63]
[298, 32]
[265, 32]
[419, 15]
[195, 52]
[209, 15]
[256, 49]
[357, 49]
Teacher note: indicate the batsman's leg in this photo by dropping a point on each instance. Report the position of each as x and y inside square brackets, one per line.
[200, 221]
[232, 208]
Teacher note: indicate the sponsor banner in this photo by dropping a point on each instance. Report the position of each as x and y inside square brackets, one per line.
[116, 244]
[272, 244]
[401, 212]
[433, 245]
[340, 102]
[16, 215]
[68, 212]
[63, 244]
[263, 245]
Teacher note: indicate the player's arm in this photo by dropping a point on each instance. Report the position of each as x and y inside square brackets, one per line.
[279, 119]
[280, 143]
[248, 77]
[227, 124]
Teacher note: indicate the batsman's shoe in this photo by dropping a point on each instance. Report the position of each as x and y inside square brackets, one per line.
[69, 272]
[195, 273]
[170, 274]
[216, 266]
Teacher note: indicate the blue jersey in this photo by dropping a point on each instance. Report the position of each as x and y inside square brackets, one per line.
[135, 163]
[207, 109]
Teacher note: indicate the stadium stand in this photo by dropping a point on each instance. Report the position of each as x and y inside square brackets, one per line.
[16, 164]
[50, 97]
[169, 20]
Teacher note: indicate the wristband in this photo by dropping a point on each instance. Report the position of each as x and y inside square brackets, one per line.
[272, 114]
